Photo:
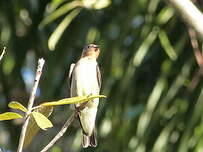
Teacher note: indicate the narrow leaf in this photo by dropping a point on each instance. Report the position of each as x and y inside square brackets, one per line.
[33, 128]
[96, 4]
[102, 4]
[72, 100]
[165, 15]
[55, 36]
[9, 116]
[166, 44]
[42, 120]
[60, 11]
[145, 47]
[17, 105]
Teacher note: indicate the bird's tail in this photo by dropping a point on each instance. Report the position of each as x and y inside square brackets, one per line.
[89, 140]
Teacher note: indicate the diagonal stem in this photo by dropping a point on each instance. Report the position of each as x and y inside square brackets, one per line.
[61, 132]
[199, 59]
[195, 46]
[190, 14]
[30, 104]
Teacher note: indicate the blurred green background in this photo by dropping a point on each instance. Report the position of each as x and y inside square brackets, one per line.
[150, 75]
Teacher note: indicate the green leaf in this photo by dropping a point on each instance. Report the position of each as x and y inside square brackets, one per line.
[145, 47]
[55, 3]
[56, 35]
[60, 11]
[166, 44]
[96, 4]
[42, 120]
[102, 4]
[165, 15]
[9, 116]
[17, 105]
[73, 100]
[33, 128]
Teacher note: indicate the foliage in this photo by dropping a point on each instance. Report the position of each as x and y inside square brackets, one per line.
[40, 114]
[72, 100]
[9, 116]
[40, 119]
[33, 128]
[149, 71]
[17, 105]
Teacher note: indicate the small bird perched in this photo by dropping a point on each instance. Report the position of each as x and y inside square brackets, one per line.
[85, 79]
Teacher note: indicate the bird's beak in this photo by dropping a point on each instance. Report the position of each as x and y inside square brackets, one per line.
[96, 46]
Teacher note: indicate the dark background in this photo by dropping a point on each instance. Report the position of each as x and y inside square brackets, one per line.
[150, 74]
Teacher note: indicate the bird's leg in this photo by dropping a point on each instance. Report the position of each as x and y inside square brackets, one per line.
[81, 107]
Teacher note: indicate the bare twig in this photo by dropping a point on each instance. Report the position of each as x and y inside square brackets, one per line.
[190, 14]
[199, 60]
[2, 54]
[197, 51]
[195, 80]
[61, 132]
[30, 103]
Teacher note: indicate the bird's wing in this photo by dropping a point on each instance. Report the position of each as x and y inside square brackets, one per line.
[98, 76]
[72, 66]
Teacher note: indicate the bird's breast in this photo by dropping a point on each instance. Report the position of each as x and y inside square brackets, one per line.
[86, 78]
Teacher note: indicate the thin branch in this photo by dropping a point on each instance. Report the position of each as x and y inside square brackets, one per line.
[195, 80]
[196, 49]
[190, 14]
[2, 54]
[61, 132]
[30, 103]
[199, 59]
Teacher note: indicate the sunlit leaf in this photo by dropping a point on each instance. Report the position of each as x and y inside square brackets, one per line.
[88, 3]
[42, 120]
[144, 47]
[163, 138]
[9, 116]
[72, 100]
[165, 42]
[165, 15]
[153, 5]
[56, 3]
[60, 11]
[176, 85]
[152, 102]
[33, 128]
[102, 4]
[96, 4]
[55, 36]
[17, 105]
[194, 120]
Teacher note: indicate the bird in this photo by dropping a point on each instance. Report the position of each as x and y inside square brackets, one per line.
[85, 79]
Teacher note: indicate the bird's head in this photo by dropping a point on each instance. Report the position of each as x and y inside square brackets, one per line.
[91, 50]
